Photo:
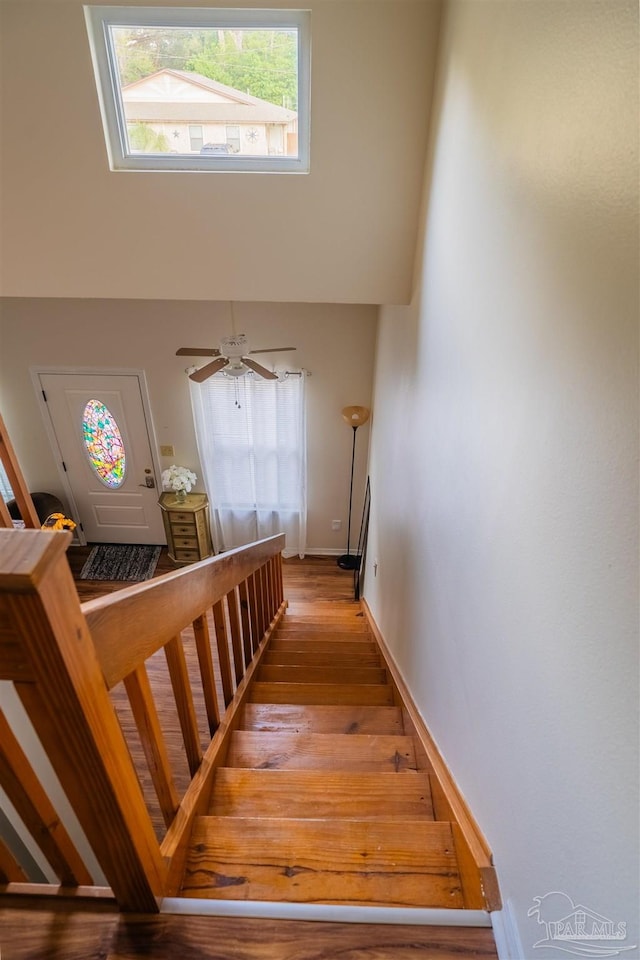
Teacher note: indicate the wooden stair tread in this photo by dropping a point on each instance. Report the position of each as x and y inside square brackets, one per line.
[317, 658]
[337, 636]
[322, 608]
[356, 752]
[410, 863]
[353, 616]
[323, 629]
[326, 625]
[322, 718]
[375, 694]
[304, 794]
[303, 673]
[339, 647]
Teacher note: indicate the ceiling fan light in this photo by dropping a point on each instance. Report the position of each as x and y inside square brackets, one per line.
[233, 371]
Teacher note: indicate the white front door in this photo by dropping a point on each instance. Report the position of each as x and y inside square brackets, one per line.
[104, 441]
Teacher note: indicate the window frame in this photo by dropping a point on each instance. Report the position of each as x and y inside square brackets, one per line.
[100, 19]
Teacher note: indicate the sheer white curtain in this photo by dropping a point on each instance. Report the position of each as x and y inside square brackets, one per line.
[251, 437]
[5, 487]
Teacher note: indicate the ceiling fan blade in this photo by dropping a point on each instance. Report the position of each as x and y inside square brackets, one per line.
[208, 370]
[197, 352]
[261, 371]
[274, 350]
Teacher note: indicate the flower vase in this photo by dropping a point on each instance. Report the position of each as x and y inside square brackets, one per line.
[181, 496]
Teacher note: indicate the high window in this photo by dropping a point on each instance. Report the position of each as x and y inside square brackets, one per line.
[203, 89]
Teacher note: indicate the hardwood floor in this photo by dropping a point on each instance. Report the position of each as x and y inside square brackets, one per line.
[314, 578]
[33, 932]
[38, 928]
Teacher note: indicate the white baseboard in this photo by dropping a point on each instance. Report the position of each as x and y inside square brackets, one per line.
[326, 912]
[322, 552]
[505, 933]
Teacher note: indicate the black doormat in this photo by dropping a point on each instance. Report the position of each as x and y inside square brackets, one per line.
[114, 561]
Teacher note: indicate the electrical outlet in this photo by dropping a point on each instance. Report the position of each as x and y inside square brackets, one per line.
[336, 524]
[167, 450]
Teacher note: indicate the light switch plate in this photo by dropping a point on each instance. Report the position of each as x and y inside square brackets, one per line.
[167, 450]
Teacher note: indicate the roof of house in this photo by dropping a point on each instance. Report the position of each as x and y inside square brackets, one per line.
[240, 107]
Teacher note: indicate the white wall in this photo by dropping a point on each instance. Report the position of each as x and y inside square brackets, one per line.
[334, 342]
[504, 446]
[345, 232]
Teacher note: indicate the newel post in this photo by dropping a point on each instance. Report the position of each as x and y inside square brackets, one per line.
[49, 654]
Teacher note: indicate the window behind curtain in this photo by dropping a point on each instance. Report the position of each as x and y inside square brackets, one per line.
[252, 443]
[5, 487]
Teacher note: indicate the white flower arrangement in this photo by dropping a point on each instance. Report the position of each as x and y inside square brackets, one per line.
[178, 478]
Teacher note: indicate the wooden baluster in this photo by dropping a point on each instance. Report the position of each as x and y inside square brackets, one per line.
[264, 572]
[36, 811]
[274, 588]
[10, 869]
[223, 652]
[243, 592]
[279, 583]
[236, 638]
[260, 598]
[17, 481]
[68, 704]
[5, 516]
[253, 611]
[205, 660]
[269, 587]
[177, 664]
[152, 739]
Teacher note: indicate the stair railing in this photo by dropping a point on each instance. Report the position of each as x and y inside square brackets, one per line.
[65, 659]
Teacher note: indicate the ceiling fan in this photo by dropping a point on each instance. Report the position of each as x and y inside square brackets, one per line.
[233, 357]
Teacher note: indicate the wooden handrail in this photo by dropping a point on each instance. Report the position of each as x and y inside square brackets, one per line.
[152, 612]
[64, 657]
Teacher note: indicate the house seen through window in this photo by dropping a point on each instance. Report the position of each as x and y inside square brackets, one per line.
[203, 89]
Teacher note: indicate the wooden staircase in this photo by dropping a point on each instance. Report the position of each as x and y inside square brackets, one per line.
[218, 743]
[321, 797]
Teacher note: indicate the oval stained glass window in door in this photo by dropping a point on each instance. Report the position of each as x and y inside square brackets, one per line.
[104, 444]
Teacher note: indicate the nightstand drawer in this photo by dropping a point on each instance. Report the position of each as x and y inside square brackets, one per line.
[191, 543]
[177, 517]
[183, 530]
[187, 554]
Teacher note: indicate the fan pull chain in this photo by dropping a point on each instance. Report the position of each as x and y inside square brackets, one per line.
[238, 405]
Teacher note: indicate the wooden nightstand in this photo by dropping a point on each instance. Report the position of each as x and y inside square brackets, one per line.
[187, 527]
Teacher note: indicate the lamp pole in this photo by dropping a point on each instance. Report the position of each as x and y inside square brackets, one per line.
[355, 417]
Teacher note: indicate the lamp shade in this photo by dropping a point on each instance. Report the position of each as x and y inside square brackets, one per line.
[355, 416]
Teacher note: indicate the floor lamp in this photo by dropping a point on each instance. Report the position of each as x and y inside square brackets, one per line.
[355, 417]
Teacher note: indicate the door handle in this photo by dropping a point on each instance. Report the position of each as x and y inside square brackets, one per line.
[148, 482]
